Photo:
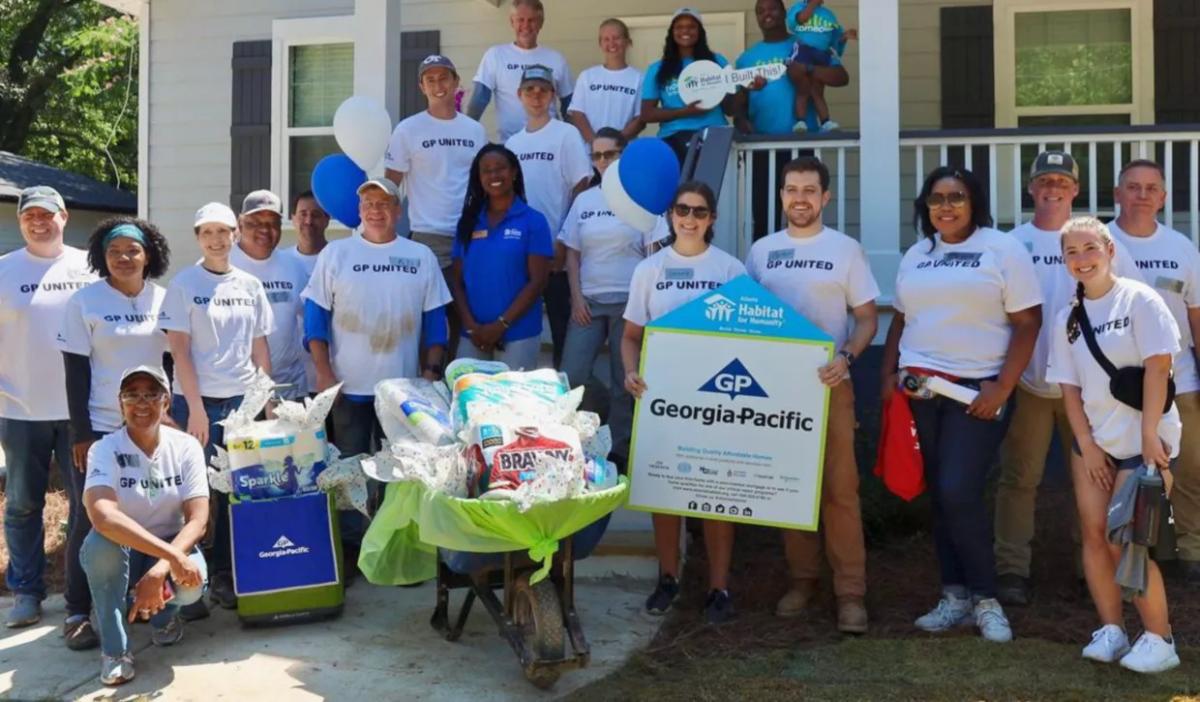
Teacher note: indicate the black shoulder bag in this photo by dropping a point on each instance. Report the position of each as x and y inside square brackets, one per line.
[1125, 384]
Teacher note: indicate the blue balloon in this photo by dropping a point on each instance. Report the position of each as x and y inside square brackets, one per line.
[650, 173]
[335, 182]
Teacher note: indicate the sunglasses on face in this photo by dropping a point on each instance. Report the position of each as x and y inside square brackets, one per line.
[955, 199]
[697, 211]
[610, 155]
[133, 398]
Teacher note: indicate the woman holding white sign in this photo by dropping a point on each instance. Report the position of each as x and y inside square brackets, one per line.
[688, 267]
[968, 310]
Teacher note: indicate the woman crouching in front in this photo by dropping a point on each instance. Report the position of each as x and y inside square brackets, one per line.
[147, 497]
[1132, 327]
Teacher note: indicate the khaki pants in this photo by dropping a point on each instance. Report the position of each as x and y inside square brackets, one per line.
[1185, 496]
[1022, 463]
[841, 515]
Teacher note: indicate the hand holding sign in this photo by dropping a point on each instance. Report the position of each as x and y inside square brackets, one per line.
[707, 83]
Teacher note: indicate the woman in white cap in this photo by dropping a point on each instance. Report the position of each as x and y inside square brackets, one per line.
[108, 326]
[217, 319]
[147, 496]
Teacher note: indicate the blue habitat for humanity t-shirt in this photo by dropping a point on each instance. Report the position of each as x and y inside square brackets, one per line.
[495, 266]
[822, 31]
[670, 100]
[772, 106]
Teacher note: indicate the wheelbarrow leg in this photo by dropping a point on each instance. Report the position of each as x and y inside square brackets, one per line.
[440, 620]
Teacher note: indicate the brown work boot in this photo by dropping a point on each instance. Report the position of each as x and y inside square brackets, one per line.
[851, 616]
[797, 599]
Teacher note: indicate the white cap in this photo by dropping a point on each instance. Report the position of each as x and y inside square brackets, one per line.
[694, 14]
[215, 213]
[155, 374]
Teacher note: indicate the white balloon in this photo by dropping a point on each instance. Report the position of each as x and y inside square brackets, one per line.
[362, 128]
[621, 204]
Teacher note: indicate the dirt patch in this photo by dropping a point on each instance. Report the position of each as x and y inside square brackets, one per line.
[55, 519]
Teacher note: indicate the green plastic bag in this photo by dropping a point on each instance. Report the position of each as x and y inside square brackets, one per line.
[400, 546]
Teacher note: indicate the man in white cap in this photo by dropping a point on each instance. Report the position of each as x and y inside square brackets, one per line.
[374, 309]
[434, 150]
[35, 283]
[501, 68]
[283, 278]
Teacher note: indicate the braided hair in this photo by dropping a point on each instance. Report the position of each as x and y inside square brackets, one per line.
[476, 199]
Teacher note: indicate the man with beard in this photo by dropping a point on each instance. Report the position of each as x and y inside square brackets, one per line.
[823, 274]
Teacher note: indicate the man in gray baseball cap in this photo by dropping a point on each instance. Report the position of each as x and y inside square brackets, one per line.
[42, 196]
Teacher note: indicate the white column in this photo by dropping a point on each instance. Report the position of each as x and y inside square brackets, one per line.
[143, 161]
[879, 126]
[377, 52]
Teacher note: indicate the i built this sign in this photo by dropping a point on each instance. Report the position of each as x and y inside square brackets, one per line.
[732, 423]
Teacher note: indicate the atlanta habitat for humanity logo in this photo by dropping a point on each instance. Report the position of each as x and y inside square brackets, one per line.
[734, 380]
[719, 309]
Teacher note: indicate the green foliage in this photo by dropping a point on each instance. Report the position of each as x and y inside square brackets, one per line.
[68, 87]
[1081, 74]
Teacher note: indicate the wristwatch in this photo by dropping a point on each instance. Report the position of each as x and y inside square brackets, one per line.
[848, 355]
[503, 321]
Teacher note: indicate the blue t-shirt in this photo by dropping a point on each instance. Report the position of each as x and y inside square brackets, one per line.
[669, 98]
[496, 266]
[771, 107]
[822, 31]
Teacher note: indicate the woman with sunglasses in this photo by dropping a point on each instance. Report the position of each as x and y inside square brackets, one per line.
[968, 310]
[109, 326]
[147, 497]
[655, 290]
[602, 253]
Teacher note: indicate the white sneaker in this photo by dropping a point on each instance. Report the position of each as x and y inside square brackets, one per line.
[950, 612]
[800, 127]
[116, 671]
[993, 625]
[1109, 643]
[1150, 654]
[829, 126]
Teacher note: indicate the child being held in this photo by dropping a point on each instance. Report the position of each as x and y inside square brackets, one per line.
[820, 41]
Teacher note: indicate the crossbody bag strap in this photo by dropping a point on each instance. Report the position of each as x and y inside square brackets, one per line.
[1089, 336]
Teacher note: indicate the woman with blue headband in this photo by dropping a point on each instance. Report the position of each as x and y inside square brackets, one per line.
[108, 326]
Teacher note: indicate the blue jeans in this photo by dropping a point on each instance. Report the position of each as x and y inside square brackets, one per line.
[216, 409]
[111, 570]
[356, 430]
[582, 347]
[958, 451]
[28, 447]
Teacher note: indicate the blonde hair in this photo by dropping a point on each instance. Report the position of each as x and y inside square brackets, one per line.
[1087, 223]
[619, 24]
[536, 5]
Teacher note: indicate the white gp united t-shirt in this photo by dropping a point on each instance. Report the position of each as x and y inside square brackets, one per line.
[1058, 289]
[500, 70]
[956, 300]
[822, 276]
[117, 333]
[283, 279]
[150, 490]
[308, 261]
[1170, 263]
[609, 249]
[1131, 324]
[376, 294]
[33, 298]
[553, 160]
[435, 155]
[224, 314]
[668, 280]
[608, 98]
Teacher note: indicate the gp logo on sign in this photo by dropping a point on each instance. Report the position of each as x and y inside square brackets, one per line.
[734, 380]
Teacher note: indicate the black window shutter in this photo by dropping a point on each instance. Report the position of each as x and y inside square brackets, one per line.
[250, 122]
[1176, 61]
[414, 47]
[968, 68]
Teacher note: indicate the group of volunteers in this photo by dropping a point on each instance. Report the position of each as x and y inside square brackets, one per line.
[130, 407]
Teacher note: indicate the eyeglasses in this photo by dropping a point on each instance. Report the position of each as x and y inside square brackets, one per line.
[610, 155]
[955, 199]
[697, 211]
[133, 398]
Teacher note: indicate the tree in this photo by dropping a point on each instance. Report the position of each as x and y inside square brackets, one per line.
[68, 87]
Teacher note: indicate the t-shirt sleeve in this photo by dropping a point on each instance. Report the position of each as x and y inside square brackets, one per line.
[436, 293]
[1123, 263]
[486, 75]
[569, 235]
[1191, 296]
[1154, 327]
[861, 286]
[579, 99]
[752, 267]
[320, 283]
[102, 468]
[721, 60]
[637, 308]
[397, 156]
[1061, 368]
[1021, 287]
[734, 269]
[175, 309]
[264, 322]
[562, 77]
[539, 242]
[576, 165]
[192, 469]
[75, 336]
[650, 83]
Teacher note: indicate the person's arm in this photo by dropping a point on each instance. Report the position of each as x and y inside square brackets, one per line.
[741, 112]
[631, 350]
[78, 371]
[480, 96]
[579, 307]
[393, 175]
[994, 394]
[180, 344]
[316, 340]
[434, 336]
[582, 123]
[866, 322]
[1193, 318]
[808, 11]
[890, 364]
[1095, 461]
[564, 103]
[110, 522]
[260, 354]
[1154, 396]
[651, 112]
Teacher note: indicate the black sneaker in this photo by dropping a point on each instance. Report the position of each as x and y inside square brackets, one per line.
[1012, 590]
[718, 608]
[659, 602]
[220, 590]
[194, 611]
[79, 633]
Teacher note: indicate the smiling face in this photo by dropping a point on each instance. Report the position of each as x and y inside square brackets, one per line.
[1087, 255]
[143, 403]
[260, 234]
[1053, 192]
[41, 227]
[536, 96]
[691, 227]
[803, 198]
[685, 30]
[309, 219]
[438, 85]
[216, 240]
[1141, 192]
[379, 212]
[769, 14]
[526, 22]
[613, 41]
[950, 208]
[604, 152]
[496, 175]
[126, 260]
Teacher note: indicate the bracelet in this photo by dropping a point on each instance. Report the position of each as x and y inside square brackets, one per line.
[503, 321]
[848, 355]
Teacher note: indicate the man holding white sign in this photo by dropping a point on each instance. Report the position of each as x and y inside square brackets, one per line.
[822, 273]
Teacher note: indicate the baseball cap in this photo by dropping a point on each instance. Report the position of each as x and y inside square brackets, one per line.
[537, 72]
[435, 61]
[1059, 162]
[694, 14]
[215, 213]
[42, 196]
[262, 201]
[383, 184]
[156, 374]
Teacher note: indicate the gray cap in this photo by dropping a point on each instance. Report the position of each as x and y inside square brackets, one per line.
[1054, 162]
[156, 374]
[537, 72]
[262, 201]
[436, 61]
[42, 196]
[383, 184]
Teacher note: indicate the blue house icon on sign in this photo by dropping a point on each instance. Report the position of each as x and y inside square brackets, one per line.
[734, 380]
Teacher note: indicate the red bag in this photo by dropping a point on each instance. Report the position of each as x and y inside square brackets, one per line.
[899, 461]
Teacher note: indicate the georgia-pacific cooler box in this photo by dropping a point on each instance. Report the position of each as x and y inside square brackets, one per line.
[287, 556]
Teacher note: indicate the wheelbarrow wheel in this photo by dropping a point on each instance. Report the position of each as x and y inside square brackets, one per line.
[537, 611]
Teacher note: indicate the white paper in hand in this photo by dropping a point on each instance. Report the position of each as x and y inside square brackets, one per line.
[709, 83]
